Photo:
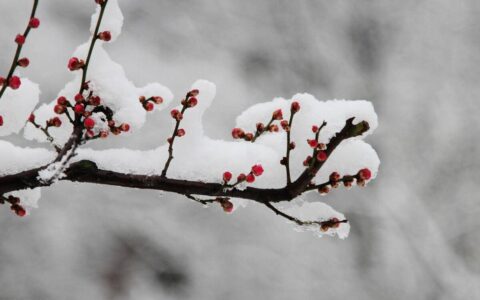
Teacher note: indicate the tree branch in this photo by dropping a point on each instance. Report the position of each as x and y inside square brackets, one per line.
[88, 172]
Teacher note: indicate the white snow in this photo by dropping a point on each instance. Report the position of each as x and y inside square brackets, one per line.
[14, 159]
[16, 106]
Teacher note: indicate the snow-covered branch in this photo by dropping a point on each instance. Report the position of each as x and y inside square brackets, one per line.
[322, 140]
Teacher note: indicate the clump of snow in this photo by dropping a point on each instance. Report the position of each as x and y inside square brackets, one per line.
[16, 106]
[108, 81]
[14, 159]
[198, 157]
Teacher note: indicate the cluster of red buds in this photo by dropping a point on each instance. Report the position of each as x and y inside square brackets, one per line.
[332, 223]
[257, 170]
[148, 104]
[277, 115]
[14, 205]
[319, 152]
[335, 179]
[189, 102]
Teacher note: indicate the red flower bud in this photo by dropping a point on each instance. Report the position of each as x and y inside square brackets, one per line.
[89, 123]
[20, 39]
[2, 80]
[105, 36]
[248, 136]
[324, 190]
[227, 176]
[14, 82]
[241, 177]
[149, 106]
[94, 100]
[75, 64]
[56, 122]
[19, 210]
[238, 133]
[321, 156]
[257, 170]
[1, 121]
[284, 124]
[365, 174]
[31, 118]
[103, 134]
[62, 100]
[192, 101]
[157, 99]
[79, 98]
[273, 128]
[115, 131]
[335, 222]
[180, 132]
[312, 143]
[277, 115]
[315, 128]
[34, 23]
[260, 127]
[23, 62]
[79, 108]
[227, 206]
[59, 109]
[193, 93]
[295, 107]
[250, 178]
[125, 127]
[334, 177]
[292, 145]
[176, 114]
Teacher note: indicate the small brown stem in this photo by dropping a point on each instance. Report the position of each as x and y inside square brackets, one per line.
[287, 157]
[174, 135]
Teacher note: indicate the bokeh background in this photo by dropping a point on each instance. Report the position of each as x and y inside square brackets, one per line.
[414, 229]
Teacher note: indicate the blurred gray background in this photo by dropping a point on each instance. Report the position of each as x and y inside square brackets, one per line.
[414, 229]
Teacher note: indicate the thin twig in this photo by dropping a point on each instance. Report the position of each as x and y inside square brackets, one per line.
[287, 157]
[299, 222]
[19, 50]
[48, 135]
[174, 135]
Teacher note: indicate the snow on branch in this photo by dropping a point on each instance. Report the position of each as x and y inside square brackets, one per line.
[281, 149]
